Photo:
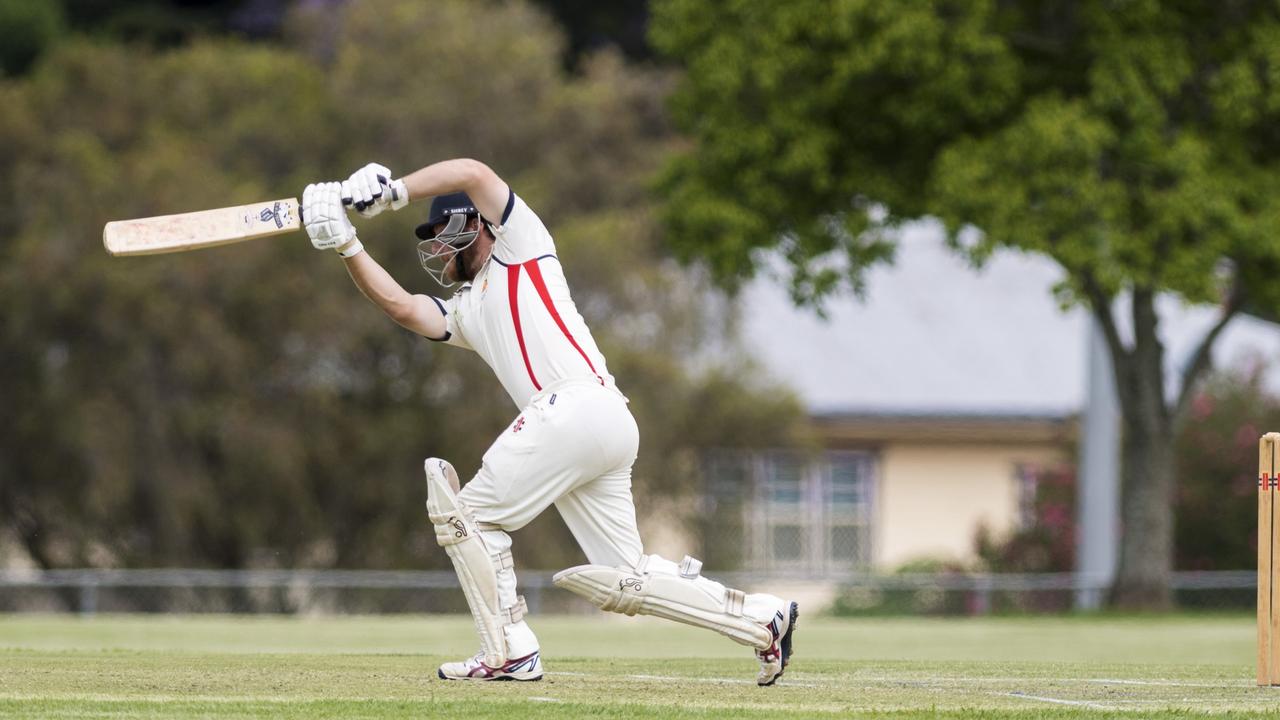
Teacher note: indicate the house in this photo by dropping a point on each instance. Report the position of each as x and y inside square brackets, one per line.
[934, 398]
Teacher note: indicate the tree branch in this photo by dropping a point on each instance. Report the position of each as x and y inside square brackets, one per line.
[1121, 356]
[1204, 352]
[1100, 305]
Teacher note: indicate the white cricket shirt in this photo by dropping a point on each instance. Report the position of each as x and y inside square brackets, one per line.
[518, 314]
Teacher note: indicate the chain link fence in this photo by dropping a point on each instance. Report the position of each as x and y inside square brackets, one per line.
[983, 594]
[256, 591]
[90, 591]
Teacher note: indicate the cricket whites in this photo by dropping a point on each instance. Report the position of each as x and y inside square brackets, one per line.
[203, 229]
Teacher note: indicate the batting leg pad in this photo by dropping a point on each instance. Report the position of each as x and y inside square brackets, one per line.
[477, 568]
[686, 597]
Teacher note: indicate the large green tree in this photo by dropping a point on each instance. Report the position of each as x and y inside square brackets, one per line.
[245, 406]
[1135, 143]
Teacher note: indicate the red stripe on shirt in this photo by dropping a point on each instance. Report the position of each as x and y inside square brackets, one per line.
[513, 284]
[535, 275]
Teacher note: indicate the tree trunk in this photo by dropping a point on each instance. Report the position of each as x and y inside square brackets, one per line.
[1146, 506]
[1145, 569]
[1144, 573]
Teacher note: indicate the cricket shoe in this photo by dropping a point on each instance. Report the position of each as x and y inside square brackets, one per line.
[774, 659]
[527, 668]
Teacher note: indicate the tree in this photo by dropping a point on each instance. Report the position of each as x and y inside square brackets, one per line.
[1134, 143]
[593, 25]
[245, 407]
[26, 30]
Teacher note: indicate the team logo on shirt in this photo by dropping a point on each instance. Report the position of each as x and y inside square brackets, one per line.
[518, 425]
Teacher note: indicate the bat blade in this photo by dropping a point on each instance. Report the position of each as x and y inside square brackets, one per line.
[200, 230]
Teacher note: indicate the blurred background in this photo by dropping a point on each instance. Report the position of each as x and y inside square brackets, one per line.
[927, 307]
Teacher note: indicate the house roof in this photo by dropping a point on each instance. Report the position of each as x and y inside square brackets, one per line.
[937, 338]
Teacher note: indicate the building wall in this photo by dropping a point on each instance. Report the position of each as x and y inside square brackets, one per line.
[932, 498]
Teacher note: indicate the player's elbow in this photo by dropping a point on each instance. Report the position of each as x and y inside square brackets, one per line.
[404, 313]
[475, 174]
[419, 314]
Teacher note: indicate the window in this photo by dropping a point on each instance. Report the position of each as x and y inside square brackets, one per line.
[847, 510]
[845, 543]
[793, 513]
[786, 542]
[784, 482]
[722, 515]
[849, 488]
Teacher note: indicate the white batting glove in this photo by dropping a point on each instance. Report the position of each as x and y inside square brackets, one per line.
[325, 218]
[370, 190]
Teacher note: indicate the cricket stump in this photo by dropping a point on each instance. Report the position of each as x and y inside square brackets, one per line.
[1268, 561]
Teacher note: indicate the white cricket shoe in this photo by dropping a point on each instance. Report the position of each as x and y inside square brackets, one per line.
[525, 668]
[774, 660]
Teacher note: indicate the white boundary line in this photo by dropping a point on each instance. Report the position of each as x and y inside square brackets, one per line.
[672, 678]
[1058, 701]
[936, 680]
[1164, 683]
[1008, 680]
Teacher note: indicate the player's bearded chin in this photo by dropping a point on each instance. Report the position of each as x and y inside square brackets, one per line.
[460, 269]
[461, 264]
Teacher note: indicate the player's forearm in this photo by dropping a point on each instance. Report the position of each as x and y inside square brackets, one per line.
[444, 177]
[377, 284]
[473, 177]
[413, 312]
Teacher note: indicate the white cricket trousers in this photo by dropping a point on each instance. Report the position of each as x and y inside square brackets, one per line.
[573, 446]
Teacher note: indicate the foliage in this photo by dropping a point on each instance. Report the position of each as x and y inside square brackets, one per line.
[1217, 496]
[1047, 543]
[589, 26]
[170, 23]
[1133, 143]
[1130, 141]
[245, 406]
[1216, 456]
[26, 29]
[1217, 461]
[593, 25]
[810, 120]
[853, 601]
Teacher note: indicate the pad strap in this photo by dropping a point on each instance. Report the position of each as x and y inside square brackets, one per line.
[733, 601]
[516, 612]
[503, 561]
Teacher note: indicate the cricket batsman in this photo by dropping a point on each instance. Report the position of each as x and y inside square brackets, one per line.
[572, 444]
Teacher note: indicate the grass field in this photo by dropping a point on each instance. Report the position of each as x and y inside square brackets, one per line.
[384, 667]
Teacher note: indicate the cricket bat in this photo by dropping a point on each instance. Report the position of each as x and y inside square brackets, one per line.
[203, 229]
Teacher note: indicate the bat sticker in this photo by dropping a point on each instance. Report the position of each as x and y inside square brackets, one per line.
[273, 213]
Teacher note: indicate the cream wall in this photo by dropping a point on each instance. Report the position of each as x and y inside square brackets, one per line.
[932, 498]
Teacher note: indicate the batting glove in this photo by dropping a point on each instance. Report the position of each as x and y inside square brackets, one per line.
[325, 218]
[370, 190]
